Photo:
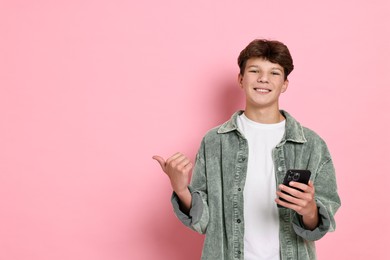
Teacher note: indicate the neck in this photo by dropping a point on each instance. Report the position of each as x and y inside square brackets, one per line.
[264, 116]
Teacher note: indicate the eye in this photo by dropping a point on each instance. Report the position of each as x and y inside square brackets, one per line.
[275, 73]
[253, 71]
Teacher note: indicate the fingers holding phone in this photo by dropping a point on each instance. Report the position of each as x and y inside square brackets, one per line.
[296, 196]
[297, 192]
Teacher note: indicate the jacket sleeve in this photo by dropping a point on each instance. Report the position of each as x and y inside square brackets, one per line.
[327, 200]
[198, 217]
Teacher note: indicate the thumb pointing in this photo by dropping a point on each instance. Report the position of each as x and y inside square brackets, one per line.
[160, 160]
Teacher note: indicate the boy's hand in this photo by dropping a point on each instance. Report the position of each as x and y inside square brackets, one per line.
[178, 168]
[303, 202]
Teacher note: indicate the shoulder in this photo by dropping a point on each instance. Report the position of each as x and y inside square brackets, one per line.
[315, 142]
[227, 128]
[297, 132]
[311, 135]
[212, 135]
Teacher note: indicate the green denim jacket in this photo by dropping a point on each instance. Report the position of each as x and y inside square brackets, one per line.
[218, 182]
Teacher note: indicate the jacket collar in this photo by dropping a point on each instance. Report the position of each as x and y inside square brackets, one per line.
[294, 131]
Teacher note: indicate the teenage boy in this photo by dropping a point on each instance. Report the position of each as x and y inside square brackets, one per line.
[237, 178]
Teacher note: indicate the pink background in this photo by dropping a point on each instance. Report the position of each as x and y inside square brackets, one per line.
[91, 90]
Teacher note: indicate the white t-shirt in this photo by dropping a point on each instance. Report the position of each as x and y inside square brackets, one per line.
[261, 238]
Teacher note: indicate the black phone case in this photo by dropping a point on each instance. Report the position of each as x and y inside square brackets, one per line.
[302, 176]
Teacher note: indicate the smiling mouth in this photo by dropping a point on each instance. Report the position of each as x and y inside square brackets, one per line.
[262, 90]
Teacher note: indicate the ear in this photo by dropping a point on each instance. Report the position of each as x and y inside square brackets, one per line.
[285, 85]
[239, 80]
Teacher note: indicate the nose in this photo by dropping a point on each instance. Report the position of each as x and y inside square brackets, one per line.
[262, 78]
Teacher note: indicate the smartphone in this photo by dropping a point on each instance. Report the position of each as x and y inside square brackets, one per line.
[302, 176]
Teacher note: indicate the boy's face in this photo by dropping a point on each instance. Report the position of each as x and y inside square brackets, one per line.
[263, 82]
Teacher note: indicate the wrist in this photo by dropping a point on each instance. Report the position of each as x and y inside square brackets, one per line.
[185, 200]
[311, 220]
[182, 192]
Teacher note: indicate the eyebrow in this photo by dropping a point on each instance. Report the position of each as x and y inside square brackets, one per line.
[273, 68]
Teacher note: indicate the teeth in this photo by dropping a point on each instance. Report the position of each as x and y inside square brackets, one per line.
[262, 90]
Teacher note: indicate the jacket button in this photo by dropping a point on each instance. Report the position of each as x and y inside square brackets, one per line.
[238, 220]
[280, 168]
